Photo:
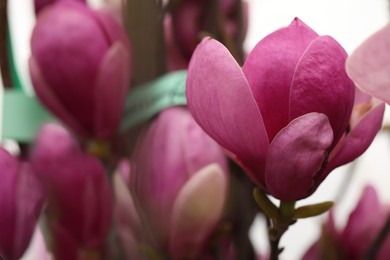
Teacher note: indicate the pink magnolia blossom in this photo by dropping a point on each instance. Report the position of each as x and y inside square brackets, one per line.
[80, 67]
[353, 242]
[175, 190]
[78, 192]
[369, 65]
[21, 200]
[290, 115]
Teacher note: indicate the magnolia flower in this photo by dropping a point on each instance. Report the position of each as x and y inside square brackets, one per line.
[369, 65]
[353, 242]
[285, 117]
[175, 190]
[80, 67]
[21, 200]
[78, 193]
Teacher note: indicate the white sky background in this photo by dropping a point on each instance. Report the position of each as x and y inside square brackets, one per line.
[349, 22]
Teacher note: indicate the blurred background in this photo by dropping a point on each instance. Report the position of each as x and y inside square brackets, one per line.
[349, 22]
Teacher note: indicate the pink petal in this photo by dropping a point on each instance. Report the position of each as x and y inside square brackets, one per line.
[111, 88]
[361, 98]
[186, 27]
[196, 211]
[369, 65]
[295, 156]
[61, 45]
[79, 191]
[359, 139]
[320, 84]
[50, 100]
[30, 198]
[269, 69]
[221, 101]
[111, 27]
[9, 167]
[64, 245]
[127, 218]
[173, 150]
[362, 227]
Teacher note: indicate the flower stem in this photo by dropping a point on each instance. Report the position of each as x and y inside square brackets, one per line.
[278, 219]
[275, 251]
[278, 226]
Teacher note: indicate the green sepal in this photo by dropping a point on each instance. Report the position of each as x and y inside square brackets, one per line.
[312, 210]
[265, 204]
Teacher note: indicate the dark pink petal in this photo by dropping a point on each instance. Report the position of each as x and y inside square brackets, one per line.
[79, 191]
[295, 156]
[359, 139]
[187, 26]
[29, 202]
[113, 30]
[369, 65]
[40, 4]
[320, 84]
[9, 167]
[64, 245]
[196, 211]
[111, 88]
[221, 101]
[50, 100]
[175, 59]
[21, 200]
[364, 223]
[61, 45]
[269, 69]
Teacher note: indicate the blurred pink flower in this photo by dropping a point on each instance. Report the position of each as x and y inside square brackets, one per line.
[78, 191]
[21, 199]
[191, 18]
[369, 65]
[363, 225]
[285, 117]
[176, 190]
[40, 4]
[80, 67]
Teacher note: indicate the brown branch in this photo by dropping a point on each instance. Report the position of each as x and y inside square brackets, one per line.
[4, 65]
[144, 22]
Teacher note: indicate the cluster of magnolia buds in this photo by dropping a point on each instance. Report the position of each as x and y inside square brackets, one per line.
[177, 185]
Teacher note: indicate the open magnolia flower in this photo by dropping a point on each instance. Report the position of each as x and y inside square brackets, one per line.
[285, 117]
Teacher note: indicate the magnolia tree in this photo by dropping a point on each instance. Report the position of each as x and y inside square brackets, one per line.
[163, 139]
